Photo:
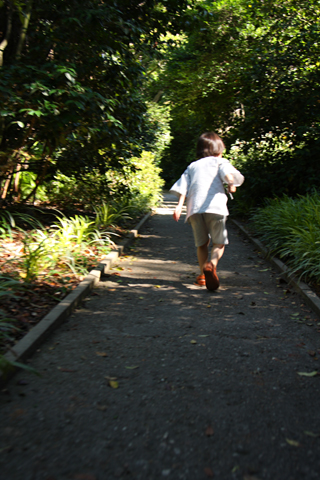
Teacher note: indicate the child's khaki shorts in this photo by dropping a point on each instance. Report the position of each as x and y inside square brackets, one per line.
[205, 224]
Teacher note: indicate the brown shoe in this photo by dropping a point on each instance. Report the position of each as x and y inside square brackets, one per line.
[212, 279]
[201, 281]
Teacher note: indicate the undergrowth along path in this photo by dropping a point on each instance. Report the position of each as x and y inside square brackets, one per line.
[156, 378]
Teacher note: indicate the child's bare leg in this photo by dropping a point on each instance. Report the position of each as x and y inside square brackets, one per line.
[202, 253]
[216, 253]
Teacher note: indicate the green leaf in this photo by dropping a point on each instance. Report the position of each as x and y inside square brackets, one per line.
[69, 77]
[293, 443]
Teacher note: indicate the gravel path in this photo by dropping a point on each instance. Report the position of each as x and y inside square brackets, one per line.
[157, 378]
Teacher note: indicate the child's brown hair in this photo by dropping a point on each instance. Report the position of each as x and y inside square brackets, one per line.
[209, 145]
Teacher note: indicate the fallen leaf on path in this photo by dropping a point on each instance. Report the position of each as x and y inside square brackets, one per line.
[193, 341]
[311, 434]
[133, 367]
[18, 412]
[202, 336]
[84, 476]
[308, 374]
[6, 449]
[209, 431]
[293, 443]
[113, 384]
[110, 378]
[102, 354]
[102, 407]
[266, 293]
[312, 353]
[208, 472]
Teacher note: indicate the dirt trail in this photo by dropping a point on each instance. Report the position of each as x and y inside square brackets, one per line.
[208, 383]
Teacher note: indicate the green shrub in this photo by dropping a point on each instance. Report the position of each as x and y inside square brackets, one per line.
[145, 184]
[291, 229]
[66, 192]
[276, 164]
[136, 187]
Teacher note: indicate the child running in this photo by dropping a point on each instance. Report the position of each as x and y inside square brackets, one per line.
[202, 184]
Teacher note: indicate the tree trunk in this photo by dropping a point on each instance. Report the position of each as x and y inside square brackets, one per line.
[5, 41]
[24, 28]
[16, 190]
[7, 184]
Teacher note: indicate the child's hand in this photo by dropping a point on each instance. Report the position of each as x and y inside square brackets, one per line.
[177, 213]
[178, 209]
[231, 188]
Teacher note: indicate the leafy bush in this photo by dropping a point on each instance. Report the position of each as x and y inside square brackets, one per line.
[278, 164]
[145, 183]
[66, 191]
[291, 229]
[136, 187]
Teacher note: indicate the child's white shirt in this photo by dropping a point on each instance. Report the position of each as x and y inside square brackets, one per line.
[203, 185]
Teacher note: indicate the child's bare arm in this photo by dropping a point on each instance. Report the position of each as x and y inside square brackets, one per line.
[178, 209]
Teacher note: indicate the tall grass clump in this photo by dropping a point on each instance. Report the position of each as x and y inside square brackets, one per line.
[68, 244]
[291, 229]
[7, 223]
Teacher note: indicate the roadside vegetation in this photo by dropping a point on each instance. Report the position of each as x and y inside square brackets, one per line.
[291, 229]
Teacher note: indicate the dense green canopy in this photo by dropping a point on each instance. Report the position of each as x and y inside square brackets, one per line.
[251, 72]
[70, 81]
[76, 79]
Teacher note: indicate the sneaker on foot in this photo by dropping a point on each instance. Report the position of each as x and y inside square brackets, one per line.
[212, 279]
[201, 281]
